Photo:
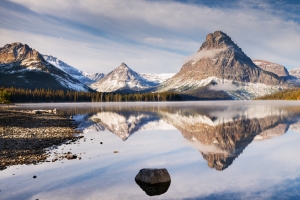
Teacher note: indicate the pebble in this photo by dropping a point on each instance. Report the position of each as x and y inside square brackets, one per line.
[25, 136]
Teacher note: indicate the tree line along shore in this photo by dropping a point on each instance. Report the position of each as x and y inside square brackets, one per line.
[17, 95]
[288, 94]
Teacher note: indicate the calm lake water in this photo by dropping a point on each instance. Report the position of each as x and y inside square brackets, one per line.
[212, 150]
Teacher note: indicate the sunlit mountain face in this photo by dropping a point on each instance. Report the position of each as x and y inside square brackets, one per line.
[219, 133]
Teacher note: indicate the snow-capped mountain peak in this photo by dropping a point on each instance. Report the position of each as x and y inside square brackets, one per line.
[122, 78]
[28, 69]
[82, 76]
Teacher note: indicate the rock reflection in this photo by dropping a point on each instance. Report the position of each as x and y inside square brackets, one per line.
[277, 131]
[154, 189]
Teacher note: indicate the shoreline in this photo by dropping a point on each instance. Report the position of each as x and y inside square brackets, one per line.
[25, 136]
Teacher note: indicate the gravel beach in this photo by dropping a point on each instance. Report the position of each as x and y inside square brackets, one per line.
[24, 136]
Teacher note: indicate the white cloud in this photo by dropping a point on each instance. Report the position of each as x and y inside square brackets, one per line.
[224, 86]
[204, 53]
[156, 25]
[99, 56]
[154, 40]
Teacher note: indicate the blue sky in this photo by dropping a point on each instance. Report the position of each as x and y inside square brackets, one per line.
[150, 36]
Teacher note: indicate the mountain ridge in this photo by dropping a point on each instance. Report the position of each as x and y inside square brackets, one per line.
[82, 76]
[24, 67]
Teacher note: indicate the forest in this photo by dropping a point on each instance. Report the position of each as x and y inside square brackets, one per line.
[17, 95]
[289, 94]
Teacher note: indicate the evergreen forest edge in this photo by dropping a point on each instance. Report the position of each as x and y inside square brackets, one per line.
[18, 95]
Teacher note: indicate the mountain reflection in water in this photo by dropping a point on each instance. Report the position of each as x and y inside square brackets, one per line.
[220, 133]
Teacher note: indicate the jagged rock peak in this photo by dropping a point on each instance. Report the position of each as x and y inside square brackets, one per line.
[123, 68]
[123, 65]
[217, 40]
[15, 47]
[17, 51]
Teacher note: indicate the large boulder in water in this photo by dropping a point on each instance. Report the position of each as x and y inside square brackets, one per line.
[153, 176]
[153, 181]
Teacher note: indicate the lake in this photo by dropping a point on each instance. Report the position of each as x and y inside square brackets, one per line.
[212, 150]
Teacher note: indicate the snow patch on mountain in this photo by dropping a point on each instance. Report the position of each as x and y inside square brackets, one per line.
[237, 90]
[95, 77]
[157, 78]
[295, 72]
[71, 84]
[82, 76]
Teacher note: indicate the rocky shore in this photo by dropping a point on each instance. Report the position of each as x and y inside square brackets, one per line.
[26, 135]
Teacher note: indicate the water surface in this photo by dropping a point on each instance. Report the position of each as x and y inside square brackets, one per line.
[212, 150]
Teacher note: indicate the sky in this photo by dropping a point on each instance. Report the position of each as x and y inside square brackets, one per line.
[150, 36]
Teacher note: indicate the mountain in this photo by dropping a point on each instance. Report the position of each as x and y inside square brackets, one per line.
[220, 65]
[78, 74]
[277, 69]
[24, 67]
[157, 78]
[123, 78]
[95, 77]
[295, 72]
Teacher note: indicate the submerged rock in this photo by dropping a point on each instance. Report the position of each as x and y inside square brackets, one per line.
[153, 181]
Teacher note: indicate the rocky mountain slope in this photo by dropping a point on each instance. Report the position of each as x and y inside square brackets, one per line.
[23, 67]
[83, 77]
[123, 78]
[221, 64]
[277, 69]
